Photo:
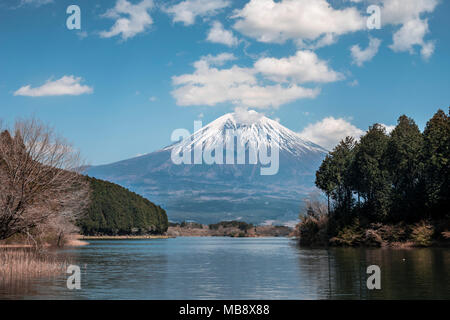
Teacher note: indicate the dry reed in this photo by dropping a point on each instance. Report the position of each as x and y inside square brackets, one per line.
[23, 264]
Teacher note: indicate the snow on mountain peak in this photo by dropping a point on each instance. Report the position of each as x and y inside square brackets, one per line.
[250, 127]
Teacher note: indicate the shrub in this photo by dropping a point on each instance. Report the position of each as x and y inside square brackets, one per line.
[349, 236]
[391, 233]
[372, 238]
[313, 227]
[422, 234]
[313, 230]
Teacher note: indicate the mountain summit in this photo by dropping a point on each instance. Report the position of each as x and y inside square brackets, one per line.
[252, 128]
[217, 173]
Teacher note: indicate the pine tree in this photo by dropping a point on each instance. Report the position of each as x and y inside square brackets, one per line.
[369, 168]
[405, 167]
[436, 158]
[333, 175]
[324, 180]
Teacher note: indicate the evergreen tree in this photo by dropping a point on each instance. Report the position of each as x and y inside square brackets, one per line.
[436, 158]
[369, 168]
[115, 210]
[324, 179]
[333, 175]
[405, 167]
[401, 177]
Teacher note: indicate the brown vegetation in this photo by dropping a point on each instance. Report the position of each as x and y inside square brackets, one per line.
[42, 192]
[226, 229]
[19, 264]
[313, 227]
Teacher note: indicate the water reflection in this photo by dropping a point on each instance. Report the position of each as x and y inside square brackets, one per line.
[405, 273]
[229, 268]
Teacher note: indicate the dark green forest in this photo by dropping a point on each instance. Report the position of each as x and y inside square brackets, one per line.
[114, 210]
[395, 179]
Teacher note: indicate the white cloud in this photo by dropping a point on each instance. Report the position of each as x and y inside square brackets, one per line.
[315, 23]
[299, 20]
[303, 67]
[218, 60]
[243, 115]
[239, 86]
[410, 34]
[387, 127]
[67, 85]
[36, 3]
[186, 11]
[413, 28]
[152, 99]
[360, 56]
[218, 34]
[138, 19]
[401, 11]
[330, 131]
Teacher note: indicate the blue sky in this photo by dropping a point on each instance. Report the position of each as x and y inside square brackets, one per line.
[139, 69]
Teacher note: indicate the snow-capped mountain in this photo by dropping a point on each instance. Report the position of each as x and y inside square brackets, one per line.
[193, 189]
[251, 128]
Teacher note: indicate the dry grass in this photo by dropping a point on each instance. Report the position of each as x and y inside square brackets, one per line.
[20, 264]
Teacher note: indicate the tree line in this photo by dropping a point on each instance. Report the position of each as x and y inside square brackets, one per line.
[114, 210]
[402, 176]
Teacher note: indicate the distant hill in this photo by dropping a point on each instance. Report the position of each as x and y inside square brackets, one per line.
[115, 210]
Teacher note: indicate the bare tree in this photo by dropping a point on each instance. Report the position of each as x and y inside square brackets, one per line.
[40, 180]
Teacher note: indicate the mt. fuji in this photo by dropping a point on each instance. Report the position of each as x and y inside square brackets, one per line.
[235, 190]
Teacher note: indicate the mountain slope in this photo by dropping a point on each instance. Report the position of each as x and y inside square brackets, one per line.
[211, 193]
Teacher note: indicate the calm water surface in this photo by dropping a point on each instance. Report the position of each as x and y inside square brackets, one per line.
[240, 268]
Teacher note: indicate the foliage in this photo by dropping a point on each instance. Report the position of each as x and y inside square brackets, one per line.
[115, 210]
[243, 226]
[436, 159]
[400, 177]
[406, 170]
[422, 234]
[313, 227]
[192, 225]
[371, 176]
[387, 180]
[351, 235]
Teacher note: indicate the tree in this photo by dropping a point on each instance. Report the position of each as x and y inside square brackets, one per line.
[324, 179]
[369, 168]
[404, 161]
[436, 158]
[40, 180]
[333, 175]
[116, 210]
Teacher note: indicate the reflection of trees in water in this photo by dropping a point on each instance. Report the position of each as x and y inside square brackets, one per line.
[340, 273]
[405, 273]
[314, 273]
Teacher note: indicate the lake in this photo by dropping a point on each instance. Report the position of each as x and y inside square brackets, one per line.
[240, 268]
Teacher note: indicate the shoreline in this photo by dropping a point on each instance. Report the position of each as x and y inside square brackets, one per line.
[126, 237]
